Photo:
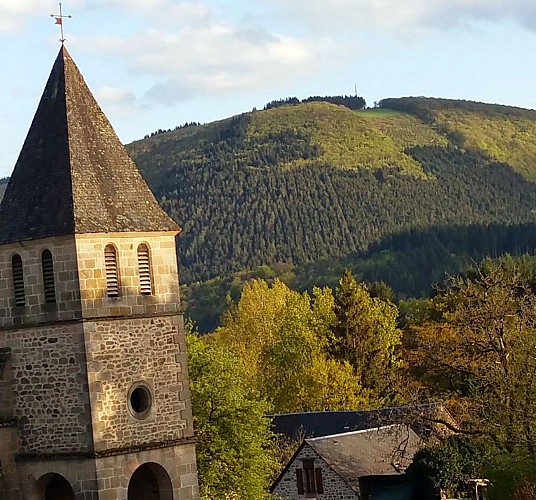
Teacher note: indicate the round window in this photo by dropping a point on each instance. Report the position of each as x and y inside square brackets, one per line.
[140, 401]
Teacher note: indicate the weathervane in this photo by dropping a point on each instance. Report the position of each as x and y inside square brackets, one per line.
[59, 20]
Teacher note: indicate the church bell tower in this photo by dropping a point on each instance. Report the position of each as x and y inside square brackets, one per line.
[94, 395]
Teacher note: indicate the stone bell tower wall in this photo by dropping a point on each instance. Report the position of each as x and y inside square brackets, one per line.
[164, 297]
[123, 353]
[52, 409]
[36, 310]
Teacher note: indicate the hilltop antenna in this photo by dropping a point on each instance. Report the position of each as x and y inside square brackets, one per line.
[355, 87]
[59, 20]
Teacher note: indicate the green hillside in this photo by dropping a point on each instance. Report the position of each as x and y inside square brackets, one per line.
[316, 181]
[504, 133]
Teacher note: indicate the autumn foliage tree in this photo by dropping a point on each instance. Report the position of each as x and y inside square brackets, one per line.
[480, 356]
[281, 338]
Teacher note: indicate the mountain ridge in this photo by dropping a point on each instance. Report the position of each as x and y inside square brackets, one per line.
[309, 181]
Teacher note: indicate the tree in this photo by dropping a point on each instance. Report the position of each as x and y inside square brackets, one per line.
[234, 439]
[365, 334]
[449, 465]
[280, 336]
[481, 356]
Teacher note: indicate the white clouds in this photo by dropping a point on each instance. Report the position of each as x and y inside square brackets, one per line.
[409, 15]
[117, 101]
[213, 57]
[13, 14]
[220, 59]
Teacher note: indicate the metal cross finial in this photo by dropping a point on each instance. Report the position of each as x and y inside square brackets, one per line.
[59, 20]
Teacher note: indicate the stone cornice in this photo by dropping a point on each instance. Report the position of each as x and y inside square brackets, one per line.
[88, 320]
[110, 452]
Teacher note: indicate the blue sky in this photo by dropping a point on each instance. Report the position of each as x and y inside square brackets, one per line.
[159, 63]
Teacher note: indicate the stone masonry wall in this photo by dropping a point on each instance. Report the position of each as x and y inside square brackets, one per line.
[79, 272]
[6, 391]
[163, 262]
[107, 478]
[9, 481]
[123, 352]
[80, 473]
[67, 306]
[334, 487]
[114, 472]
[51, 401]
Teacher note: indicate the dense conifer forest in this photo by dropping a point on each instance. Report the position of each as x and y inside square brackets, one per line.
[400, 193]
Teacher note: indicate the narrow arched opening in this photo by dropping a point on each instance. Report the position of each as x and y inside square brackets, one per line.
[112, 274]
[150, 481]
[18, 280]
[144, 269]
[54, 487]
[47, 265]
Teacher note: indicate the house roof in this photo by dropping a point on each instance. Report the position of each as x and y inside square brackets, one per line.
[73, 175]
[372, 452]
[325, 423]
[380, 451]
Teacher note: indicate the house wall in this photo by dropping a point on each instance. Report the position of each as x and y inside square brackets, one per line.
[334, 487]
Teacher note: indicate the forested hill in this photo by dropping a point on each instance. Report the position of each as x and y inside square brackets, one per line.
[300, 183]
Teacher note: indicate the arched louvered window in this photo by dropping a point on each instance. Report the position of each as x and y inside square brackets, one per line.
[48, 277]
[18, 280]
[144, 269]
[112, 277]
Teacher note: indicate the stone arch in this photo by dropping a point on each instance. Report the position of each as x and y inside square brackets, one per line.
[150, 481]
[53, 486]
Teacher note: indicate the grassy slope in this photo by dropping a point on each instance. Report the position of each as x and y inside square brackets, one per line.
[505, 133]
[346, 139]
[507, 138]
[350, 139]
[370, 138]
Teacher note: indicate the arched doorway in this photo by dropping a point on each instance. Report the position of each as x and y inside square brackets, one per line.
[54, 487]
[150, 481]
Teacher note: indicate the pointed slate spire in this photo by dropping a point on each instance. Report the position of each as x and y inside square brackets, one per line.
[73, 175]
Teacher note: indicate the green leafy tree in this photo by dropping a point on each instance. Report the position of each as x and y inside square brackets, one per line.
[449, 465]
[280, 336]
[365, 334]
[234, 439]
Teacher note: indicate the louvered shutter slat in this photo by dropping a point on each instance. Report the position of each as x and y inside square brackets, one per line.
[144, 270]
[18, 281]
[110, 262]
[48, 277]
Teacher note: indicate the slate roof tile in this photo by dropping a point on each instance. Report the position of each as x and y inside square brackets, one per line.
[73, 175]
